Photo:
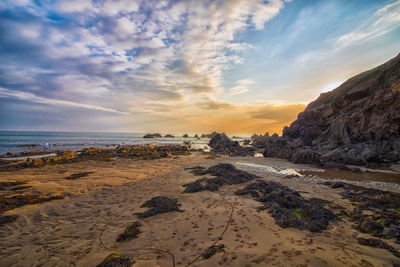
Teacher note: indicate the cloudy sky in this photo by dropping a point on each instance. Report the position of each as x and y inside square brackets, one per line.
[182, 66]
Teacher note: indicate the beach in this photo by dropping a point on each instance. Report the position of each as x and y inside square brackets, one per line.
[81, 229]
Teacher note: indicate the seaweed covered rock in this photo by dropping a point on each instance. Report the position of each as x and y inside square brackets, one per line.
[130, 232]
[377, 243]
[150, 151]
[91, 151]
[221, 144]
[13, 186]
[159, 204]
[225, 174]
[19, 200]
[211, 251]
[288, 207]
[78, 175]
[383, 218]
[147, 152]
[4, 219]
[116, 260]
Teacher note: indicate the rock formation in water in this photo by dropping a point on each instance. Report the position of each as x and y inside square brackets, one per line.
[358, 123]
[156, 135]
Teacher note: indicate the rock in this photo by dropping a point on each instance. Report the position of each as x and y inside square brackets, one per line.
[366, 225]
[197, 186]
[67, 154]
[288, 207]
[358, 123]
[390, 232]
[12, 186]
[225, 174]
[221, 144]
[150, 151]
[78, 175]
[337, 166]
[156, 135]
[34, 162]
[206, 135]
[278, 148]
[196, 136]
[185, 136]
[159, 204]
[9, 202]
[169, 136]
[10, 154]
[211, 251]
[130, 232]
[260, 141]
[29, 145]
[246, 142]
[4, 219]
[90, 151]
[94, 153]
[305, 156]
[377, 243]
[383, 220]
[116, 260]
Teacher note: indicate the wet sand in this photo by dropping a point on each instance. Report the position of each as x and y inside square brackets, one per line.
[81, 230]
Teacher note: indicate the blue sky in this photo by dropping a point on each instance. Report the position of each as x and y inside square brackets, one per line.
[182, 66]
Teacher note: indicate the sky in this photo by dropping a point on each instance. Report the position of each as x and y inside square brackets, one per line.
[191, 66]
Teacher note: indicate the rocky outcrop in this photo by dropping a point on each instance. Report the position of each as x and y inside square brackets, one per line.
[116, 260]
[159, 204]
[225, 174]
[221, 144]
[131, 232]
[156, 135]
[358, 123]
[288, 207]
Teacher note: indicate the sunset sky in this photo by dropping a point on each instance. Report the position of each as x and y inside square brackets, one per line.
[182, 66]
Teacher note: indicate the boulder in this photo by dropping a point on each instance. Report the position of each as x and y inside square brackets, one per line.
[221, 144]
[159, 204]
[156, 135]
[116, 260]
[305, 156]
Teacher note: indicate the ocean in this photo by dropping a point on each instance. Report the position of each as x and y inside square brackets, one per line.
[11, 141]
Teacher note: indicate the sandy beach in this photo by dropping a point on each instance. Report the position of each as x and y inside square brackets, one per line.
[82, 228]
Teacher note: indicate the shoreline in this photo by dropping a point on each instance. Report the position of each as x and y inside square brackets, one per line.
[82, 227]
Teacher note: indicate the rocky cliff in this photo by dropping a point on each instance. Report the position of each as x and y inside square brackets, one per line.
[357, 123]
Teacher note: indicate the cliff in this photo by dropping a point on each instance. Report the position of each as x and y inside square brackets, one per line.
[356, 123]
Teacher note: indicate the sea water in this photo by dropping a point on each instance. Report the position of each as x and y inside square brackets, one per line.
[12, 141]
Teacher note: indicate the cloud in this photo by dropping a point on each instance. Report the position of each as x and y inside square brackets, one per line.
[5, 93]
[235, 119]
[214, 105]
[382, 21]
[158, 58]
[277, 114]
[130, 46]
[242, 86]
